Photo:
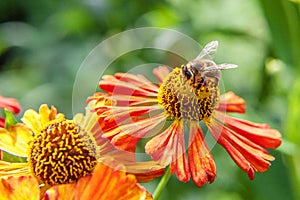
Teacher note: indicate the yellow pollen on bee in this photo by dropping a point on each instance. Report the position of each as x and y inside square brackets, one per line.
[182, 100]
[62, 153]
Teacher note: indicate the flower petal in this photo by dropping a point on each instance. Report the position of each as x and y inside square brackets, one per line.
[10, 104]
[13, 169]
[104, 183]
[168, 147]
[201, 163]
[128, 84]
[247, 155]
[179, 163]
[128, 135]
[137, 79]
[21, 188]
[37, 121]
[230, 102]
[15, 140]
[161, 73]
[144, 171]
[260, 134]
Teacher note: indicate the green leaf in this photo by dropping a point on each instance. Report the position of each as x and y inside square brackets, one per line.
[9, 118]
[283, 19]
[11, 158]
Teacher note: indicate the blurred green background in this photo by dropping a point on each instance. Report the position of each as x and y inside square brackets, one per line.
[43, 43]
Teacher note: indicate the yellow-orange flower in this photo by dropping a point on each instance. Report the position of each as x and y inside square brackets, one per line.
[136, 108]
[61, 151]
[104, 183]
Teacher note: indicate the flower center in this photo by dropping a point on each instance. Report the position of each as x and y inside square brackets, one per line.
[62, 153]
[182, 99]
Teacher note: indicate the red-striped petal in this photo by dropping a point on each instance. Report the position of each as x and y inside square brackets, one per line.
[168, 147]
[128, 84]
[201, 162]
[229, 102]
[260, 134]
[247, 155]
[129, 134]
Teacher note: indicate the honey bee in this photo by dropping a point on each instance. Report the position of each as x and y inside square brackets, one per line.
[202, 69]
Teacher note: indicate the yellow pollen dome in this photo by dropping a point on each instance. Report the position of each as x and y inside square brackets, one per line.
[62, 153]
[182, 100]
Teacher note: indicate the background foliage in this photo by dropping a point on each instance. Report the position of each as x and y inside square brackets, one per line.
[43, 43]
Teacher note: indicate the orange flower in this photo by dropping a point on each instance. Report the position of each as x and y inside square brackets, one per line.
[134, 108]
[104, 183]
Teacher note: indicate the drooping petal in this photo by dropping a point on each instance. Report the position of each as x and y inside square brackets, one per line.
[179, 164]
[13, 169]
[15, 140]
[260, 134]
[168, 147]
[19, 188]
[144, 171]
[247, 155]
[201, 162]
[104, 183]
[10, 104]
[230, 102]
[161, 73]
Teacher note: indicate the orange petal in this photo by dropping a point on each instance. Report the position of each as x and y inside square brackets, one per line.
[104, 183]
[161, 147]
[168, 147]
[229, 102]
[238, 158]
[161, 73]
[248, 156]
[260, 134]
[129, 134]
[179, 163]
[137, 79]
[149, 171]
[128, 84]
[21, 188]
[144, 171]
[10, 104]
[201, 163]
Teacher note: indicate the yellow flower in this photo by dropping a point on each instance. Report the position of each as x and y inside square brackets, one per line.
[60, 151]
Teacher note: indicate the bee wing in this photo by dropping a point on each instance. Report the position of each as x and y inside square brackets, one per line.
[208, 50]
[220, 67]
[226, 66]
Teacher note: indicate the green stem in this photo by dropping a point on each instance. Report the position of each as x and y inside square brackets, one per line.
[162, 184]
